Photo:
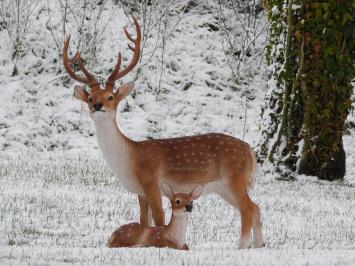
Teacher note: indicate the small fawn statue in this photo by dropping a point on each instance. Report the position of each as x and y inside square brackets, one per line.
[171, 235]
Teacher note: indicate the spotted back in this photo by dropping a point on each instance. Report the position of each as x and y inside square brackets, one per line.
[201, 158]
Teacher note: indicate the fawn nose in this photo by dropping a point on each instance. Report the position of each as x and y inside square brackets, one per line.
[97, 106]
[188, 207]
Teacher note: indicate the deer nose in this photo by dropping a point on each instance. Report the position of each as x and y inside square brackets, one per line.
[97, 106]
[188, 207]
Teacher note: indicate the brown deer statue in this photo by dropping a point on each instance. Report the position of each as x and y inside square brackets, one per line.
[220, 163]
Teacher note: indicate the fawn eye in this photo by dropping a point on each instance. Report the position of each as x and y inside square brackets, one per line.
[177, 201]
[110, 97]
[90, 99]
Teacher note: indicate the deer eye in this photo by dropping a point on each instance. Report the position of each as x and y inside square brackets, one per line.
[177, 201]
[90, 99]
[110, 97]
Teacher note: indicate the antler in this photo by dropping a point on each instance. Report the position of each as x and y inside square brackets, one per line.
[117, 74]
[89, 79]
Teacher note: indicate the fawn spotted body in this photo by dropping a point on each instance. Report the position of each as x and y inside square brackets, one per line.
[222, 164]
[171, 235]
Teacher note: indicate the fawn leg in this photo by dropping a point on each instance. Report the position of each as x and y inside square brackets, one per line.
[185, 247]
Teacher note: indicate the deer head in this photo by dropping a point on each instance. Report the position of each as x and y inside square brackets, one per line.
[181, 203]
[102, 102]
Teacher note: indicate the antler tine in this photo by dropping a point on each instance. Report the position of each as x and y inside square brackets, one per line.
[68, 63]
[117, 74]
[90, 78]
[111, 79]
[129, 36]
[130, 47]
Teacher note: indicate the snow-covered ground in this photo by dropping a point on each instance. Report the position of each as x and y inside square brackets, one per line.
[58, 199]
[57, 208]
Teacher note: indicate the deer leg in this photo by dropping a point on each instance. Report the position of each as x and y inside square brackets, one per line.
[250, 214]
[256, 225]
[150, 217]
[153, 197]
[145, 216]
[246, 212]
[243, 204]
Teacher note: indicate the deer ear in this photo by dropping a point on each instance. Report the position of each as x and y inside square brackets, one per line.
[196, 192]
[167, 190]
[125, 90]
[80, 93]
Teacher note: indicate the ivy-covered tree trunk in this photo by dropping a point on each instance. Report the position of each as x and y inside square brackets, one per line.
[315, 69]
[326, 47]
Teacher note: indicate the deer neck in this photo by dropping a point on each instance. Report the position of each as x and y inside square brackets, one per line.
[176, 229]
[115, 146]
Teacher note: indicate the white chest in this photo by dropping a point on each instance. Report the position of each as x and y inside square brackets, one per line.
[117, 154]
[177, 230]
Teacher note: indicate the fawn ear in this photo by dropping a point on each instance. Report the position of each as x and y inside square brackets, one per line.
[80, 93]
[196, 192]
[125, 90]
[167, 190]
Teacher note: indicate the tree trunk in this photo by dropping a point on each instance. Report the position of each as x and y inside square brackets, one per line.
[316, 108]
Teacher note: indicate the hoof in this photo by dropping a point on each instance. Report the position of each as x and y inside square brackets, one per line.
[260, 246]
[185, 247]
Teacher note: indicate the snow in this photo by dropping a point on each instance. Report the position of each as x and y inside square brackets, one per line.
[58, 208]
[59, 201]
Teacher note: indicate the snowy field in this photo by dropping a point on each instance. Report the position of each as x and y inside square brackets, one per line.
[57, 209]
[59, 201]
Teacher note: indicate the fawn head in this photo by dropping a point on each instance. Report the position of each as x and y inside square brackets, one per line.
[181, 203]
[103, 102]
